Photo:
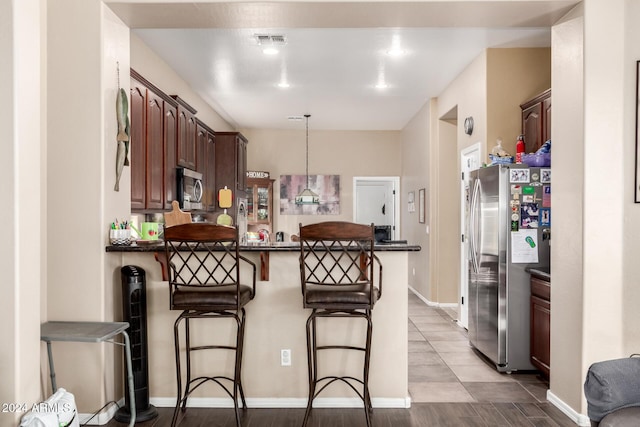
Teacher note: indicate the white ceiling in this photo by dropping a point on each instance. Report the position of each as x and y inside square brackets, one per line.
[334, 55]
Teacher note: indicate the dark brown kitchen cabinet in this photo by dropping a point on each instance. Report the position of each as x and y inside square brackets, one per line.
[205, 163]
[155, 152]
[231, 163]
[137, 149]
[536, 121]
[170, 149]
[186, 134]
[210, 175]
[153, 134]
[540, 324]
[165, 134]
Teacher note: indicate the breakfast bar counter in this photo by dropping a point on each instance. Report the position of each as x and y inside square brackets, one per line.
[276, 320]
[158, 245]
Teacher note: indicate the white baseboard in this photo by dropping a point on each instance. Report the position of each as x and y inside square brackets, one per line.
[579, 419]
[103, 417]
[431, 303]
[284, 402]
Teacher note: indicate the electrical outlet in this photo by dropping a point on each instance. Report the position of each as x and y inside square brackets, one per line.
[414, 271]
[285, 357]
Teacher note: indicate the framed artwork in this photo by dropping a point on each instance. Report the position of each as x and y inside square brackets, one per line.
[637, 174]
[421, 206]
[326, 186]
[411, 204]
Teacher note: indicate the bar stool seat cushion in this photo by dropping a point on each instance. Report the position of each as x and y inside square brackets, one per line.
[326, 295]
[206, 298]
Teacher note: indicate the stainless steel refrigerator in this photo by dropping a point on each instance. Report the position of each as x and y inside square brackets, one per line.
[509, 229]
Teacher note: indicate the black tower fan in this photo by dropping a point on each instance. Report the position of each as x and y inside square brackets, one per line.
[134, 310]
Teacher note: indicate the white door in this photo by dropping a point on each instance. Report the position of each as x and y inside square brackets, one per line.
[375, 202]
[469, 161]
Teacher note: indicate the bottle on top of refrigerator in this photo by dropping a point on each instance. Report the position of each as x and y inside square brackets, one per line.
[519, 149]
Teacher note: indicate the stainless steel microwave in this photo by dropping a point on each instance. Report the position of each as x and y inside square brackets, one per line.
[190, 189]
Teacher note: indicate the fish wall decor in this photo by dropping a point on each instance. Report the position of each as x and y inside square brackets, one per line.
[122, 154]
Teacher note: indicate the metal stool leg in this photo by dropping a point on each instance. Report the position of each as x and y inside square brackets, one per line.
[239, 352]
[187, 340]
[52, 372]
[368, 408]
[237, 385]
[312, 363]
[132, 393]
[176, 340]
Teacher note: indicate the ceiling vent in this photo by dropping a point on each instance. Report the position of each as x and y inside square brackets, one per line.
[270, 39]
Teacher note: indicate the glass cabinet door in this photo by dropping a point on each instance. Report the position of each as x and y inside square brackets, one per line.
[250, 209]
[259, 201]
[263, 204]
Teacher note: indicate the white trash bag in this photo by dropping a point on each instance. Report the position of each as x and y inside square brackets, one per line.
[57, 411]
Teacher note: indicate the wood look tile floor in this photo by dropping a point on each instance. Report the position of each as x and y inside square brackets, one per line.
[449, 384]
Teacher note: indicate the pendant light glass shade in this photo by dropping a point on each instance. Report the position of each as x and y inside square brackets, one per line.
[306, 196]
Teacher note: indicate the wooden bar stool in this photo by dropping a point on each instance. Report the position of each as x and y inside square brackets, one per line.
[337, 275]
[203, 265]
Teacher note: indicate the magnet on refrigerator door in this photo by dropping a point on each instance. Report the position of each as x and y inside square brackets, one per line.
[529, 215]
[519, 175]
[545, 176]
[545, 217]
[546, 196]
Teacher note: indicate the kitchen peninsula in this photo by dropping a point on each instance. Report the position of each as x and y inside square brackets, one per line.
[275, 321]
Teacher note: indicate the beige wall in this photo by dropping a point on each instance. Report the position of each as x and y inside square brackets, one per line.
[513, 77]
[20, 173]
[567, 202]
[146, 62]
[415, 175]
[631, 249]
[594, 293]
[490, 89]
[467, 97]
[344, 153]
[80, 175]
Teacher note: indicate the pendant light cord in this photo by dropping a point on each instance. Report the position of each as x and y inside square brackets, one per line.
[307, 137]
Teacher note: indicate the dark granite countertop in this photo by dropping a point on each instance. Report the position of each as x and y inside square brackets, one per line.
[273, 247]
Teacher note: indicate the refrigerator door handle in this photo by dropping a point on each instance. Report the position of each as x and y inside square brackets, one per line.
[473, 223]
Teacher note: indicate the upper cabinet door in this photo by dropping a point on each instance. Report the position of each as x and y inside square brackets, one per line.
[137, 154]
[170, 137]
[536, 121]
[186, 138]
[155, 152]
[532, 127]
[210, 175]
[241, 172]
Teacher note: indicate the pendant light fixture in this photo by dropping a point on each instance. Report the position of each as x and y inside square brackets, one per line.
[306, 196]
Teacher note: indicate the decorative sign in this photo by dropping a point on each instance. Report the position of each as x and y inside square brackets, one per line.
[257, 174]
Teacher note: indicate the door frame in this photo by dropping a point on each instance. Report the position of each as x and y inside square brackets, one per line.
[395, 180]
[463, 315]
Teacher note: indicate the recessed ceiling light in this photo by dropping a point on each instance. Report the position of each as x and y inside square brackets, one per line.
[382, 86]
[270, 51]
[284, 85]
[396, 52]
